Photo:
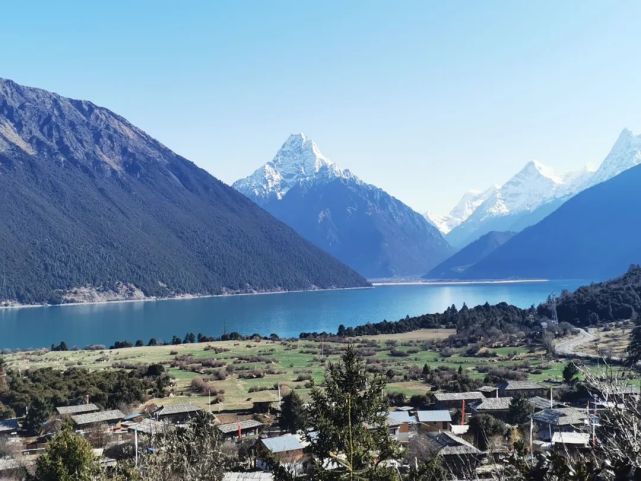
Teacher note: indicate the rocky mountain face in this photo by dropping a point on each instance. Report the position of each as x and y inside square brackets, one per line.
[360, 224]
[90, 201]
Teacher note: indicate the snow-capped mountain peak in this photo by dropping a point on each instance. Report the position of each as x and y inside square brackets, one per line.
[299, 160]
[461, 211]
[625, 154]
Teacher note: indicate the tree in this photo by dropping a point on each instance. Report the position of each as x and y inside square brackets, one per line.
[292, 418]
[193, 453]
[519, 410]
[634, 348]
[348, 418]
[68, 457]
[38, 414]
[3, 376]
[483, 427]
[570, 373]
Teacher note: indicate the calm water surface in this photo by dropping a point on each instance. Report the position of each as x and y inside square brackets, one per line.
[286, 314]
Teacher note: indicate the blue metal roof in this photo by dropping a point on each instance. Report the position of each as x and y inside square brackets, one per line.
[440, 416]
[279, 444]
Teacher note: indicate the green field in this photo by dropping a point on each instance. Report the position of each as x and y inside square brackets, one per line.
[290, 364]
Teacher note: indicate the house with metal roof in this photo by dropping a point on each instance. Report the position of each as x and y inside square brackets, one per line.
[496, 406]
[288, 449]
[150, 427]
[434, 421]
[113, 417]
[256, 476]
[240, 429]
[79, 409]
[9, 427]
[457, 454]
[448, 400]
[568, 419]
[528, 389]
[177, 413]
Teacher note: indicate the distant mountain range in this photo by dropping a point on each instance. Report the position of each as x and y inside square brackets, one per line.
[360, 224]
[93, 208]
[594, 235]
[530, 195]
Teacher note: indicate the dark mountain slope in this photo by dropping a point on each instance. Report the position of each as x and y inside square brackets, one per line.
[362, 226]
[456, 265]
[595, 235]
[89, 200]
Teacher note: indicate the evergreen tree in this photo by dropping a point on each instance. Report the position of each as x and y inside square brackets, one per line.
[68, 457]
[634, 348]
[38, 414]
[570, 373]
[348, 418]
[519, 411]
[292, 418]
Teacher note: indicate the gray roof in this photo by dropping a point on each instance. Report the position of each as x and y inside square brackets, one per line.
[458, 396]
[171, 409]
[434, 416]
[494, 404]
[396, 418]
[233, 427]
[259, 476]
[538, 402]
[99, 417]
[150, 426]
[8, 425]
[520, 385]
[79, 409]
[448, 444]
[281, 444]
[561, 416]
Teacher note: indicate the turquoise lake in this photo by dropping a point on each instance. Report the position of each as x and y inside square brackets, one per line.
[286, 314]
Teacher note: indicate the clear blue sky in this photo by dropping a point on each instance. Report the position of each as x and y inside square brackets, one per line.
[425, 99]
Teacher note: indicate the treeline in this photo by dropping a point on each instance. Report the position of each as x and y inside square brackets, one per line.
[472, 324]
[613, 300]
[49, 387]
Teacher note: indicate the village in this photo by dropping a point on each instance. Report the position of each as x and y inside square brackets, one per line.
[470, 432]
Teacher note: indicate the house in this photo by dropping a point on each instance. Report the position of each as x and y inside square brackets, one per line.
[255, 476]
[527, 389]
[288, 449]
[79, 409]
[570, 441]
[454, 400]
[434, 421]
[401, 425]
[177, 413]
[111, 418]
[560, 420]
[539, 403]
[498, 407]
[150, 427]
[240, 429]
[489, 391]
[459, 456]
[9, 427]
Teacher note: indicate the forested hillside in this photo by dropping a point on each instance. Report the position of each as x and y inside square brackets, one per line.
[89, 201]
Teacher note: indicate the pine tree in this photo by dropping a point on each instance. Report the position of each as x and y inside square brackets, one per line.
[348, 421]
[292, 418]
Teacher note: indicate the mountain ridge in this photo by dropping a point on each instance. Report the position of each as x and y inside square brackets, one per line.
[91, 201]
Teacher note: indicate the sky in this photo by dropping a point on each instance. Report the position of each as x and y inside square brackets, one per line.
[426, 99]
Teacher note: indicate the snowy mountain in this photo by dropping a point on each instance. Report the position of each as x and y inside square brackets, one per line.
[299, 161]
[625, 154]
[461, 211]
[360, 224]
[533, 193]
